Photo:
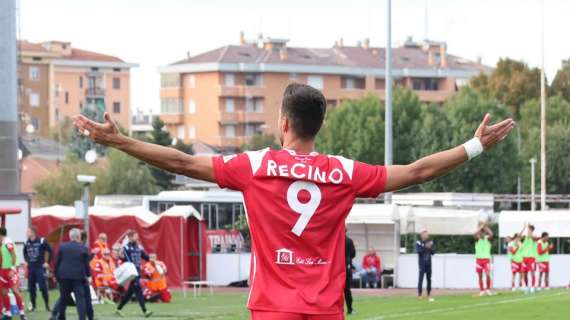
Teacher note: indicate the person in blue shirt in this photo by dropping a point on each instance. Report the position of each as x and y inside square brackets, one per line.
[424, 248]
[37, 254]
[134, 253]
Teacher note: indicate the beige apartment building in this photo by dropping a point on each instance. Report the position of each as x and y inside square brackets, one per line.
[224, 96]
[57, 80]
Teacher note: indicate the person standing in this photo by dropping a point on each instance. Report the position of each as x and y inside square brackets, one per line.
[9, 278]
[71, 271]
[424, 248]
[543, 260]
[514, 252]
[100, 245]
[134, 253]
[483, 238]
[350, 253]
[37, 254]
[529, 252]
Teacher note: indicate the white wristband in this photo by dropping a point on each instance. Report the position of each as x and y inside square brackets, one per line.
[473, 147]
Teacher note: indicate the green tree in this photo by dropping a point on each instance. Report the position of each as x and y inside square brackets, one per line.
[61, 186]
[512, 83]
[260, 141]
[126, 175]
[161, 136]
[561, 83]
[355, 130]
[80, 144]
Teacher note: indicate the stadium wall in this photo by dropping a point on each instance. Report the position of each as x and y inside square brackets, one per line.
[457, 271]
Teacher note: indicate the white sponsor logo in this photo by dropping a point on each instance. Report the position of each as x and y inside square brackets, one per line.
[228, 158]
[284, 256]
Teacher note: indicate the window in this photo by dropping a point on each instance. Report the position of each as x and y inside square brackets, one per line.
[180, 131]
[191, 81]
[351, 83]
[116, 107]
[192, 132]
[230, 105]
[169, 80]
[117, 69]
[34, 99]
[417, 84]
[254, 105]
[80, 82]
[380, 84]
[192, 106]
[66, 97]
[170, 105]
[229, 79]
[253, 79]
[116, 83]
[250, 129]
[230, 131]
[34, 73]
[315, 82]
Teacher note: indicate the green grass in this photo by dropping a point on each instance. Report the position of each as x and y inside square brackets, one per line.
[551, 305]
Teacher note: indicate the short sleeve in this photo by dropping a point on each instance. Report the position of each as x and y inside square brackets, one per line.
[232, 172]
[368, 181]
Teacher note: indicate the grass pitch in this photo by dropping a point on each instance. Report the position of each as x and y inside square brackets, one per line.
[551, 305]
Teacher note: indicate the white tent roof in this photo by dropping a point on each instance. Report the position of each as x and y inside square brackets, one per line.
[58, 211]
[69, 212]
[182, 211]
[556, 223]
[371, 214]
[439, 220]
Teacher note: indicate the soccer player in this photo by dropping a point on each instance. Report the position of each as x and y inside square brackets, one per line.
[37, 253]
[514, 251]
[297, 200]
[543, 260]
[424, 248]
[9, 275]
[483, 238]
[529, 253]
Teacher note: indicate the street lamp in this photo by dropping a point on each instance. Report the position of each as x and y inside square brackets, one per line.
[532, 202]
[85, 180]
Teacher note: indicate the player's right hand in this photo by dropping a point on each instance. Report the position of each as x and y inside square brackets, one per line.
[103, 133]
[491, 135]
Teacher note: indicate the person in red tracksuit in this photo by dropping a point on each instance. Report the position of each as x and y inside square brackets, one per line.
[372, 269]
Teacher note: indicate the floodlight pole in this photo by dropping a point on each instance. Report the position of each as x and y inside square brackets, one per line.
[542, 118]
[388, 109]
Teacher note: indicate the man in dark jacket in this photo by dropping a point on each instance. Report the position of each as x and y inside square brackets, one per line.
[37, 253]
[71, 270]
[424, 248]
[134, 253]
[350, 253]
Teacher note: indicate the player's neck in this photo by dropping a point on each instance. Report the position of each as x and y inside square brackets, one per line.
[300, 146]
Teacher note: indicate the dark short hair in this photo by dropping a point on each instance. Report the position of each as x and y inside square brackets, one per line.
[3, 231]
[131, 233]
[305, 107]
[83, 235]
[34, 230]
[531, 227]
[544, 234]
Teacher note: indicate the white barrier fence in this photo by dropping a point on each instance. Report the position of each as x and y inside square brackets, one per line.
[225, 268]
[457, 271]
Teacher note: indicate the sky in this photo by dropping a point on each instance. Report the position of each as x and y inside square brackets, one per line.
[153, 33]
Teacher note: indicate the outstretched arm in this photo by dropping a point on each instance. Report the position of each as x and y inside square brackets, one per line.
[438, 164]
[166, 158]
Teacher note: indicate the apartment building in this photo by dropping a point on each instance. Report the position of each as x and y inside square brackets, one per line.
[56, 80]
[224, 96]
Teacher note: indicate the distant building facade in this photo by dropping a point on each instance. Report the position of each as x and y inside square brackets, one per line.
[57, 80]
[224, 96]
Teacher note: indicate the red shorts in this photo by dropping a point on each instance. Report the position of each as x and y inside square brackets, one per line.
[270, 315]
[9, 278]
[483, 265]
[516, 267]
[544, 266]
[529, 265]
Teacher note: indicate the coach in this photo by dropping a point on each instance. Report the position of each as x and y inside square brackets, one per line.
[424, 248]
[37, 253]
[71, 270]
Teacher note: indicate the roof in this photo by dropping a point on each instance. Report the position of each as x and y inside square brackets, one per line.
[76, 54]
[356, 56]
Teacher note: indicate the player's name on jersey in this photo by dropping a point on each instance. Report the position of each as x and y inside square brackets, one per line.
[305, 172]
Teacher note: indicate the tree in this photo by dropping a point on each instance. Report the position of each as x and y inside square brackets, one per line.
[80, 144]
[260, 141]
[162, 137]
[512, 83]
[126, 175]
[561, 83]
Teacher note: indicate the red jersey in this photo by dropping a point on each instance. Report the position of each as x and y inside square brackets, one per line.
[372, 260]
[296, 206]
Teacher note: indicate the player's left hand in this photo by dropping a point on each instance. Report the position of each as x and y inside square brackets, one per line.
[490, 135]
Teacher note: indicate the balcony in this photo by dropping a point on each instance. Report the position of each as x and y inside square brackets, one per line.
[241, 91]
[241, 117]
[233, 141]
[172, 118]
[95, 92]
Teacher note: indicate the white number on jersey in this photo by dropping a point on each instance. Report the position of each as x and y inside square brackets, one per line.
[306, 210]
